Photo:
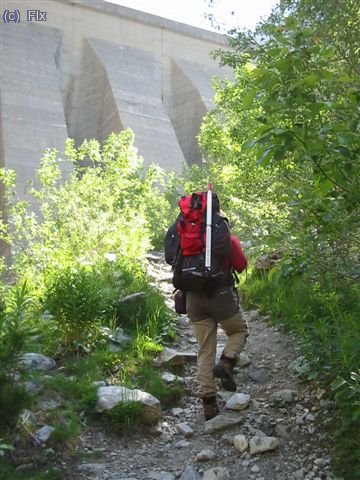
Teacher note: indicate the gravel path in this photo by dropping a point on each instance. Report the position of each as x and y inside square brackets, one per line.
[180, 449]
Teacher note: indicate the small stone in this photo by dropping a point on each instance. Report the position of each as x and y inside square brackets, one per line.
[182, 444]
[161, 476]
[263, 444]
[205, 455]
[91, 468]
[217, 473]
[168, 377]
[44, 433]
[260, 375]
[190, 474]
[239, 401]
[185, 430]
[286, 396]
[240, 443]
[221, 422]
[133, 298]
[243, 360]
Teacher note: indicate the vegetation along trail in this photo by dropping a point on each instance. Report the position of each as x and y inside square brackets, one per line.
[80, 322]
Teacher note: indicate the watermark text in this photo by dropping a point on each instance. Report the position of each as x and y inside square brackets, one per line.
[14, 16]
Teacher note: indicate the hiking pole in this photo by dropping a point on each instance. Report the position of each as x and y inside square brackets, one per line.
[208, 228]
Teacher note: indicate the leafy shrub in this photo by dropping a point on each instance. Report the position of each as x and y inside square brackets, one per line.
[110, 204]
[16, 330]
[13, 399]
[16, 324]
[78, 303]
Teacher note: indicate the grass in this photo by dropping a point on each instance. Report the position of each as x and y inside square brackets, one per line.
[324, 315]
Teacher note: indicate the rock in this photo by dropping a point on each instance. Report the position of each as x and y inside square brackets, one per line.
[239, 401]
[260, 375]
[161, 476]
[221, 422]
[172, 357]
[25, 467]
[240, 443]
[168, 377]
[34, 386]
[112, 395]
[49, 404]
[28, 419]
[190, 474]
[286, 395]
[118, 336]
[185, 430]
[176, 411]
[205, 455]
[266, 262]
[217, 473]
[282, 431]
[154, 257]
[263, 444]
[300, 474]
[182, 444]
[243, 360]
[44, 433]
[133, 298]
[91, 468]
[228, 439]
[36, 361]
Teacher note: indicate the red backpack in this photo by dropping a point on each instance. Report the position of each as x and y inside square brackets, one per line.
[185, 245]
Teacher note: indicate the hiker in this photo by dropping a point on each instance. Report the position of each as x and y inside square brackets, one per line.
[211, 304]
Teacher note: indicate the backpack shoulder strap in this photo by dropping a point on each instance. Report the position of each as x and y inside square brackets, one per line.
[172, 243]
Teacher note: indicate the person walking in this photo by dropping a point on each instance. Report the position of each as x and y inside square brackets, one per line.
[209, 308]
[208, 312]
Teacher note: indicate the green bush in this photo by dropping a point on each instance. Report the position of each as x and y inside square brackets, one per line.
[324, 315]
[13, 399]
[77, 301]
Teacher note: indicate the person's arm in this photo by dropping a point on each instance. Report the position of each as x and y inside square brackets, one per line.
[237, 257]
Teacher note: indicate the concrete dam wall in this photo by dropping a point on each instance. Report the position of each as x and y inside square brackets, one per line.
[86, 68]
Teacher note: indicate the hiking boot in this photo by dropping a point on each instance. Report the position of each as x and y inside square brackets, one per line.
[224, 370]
[210, 407]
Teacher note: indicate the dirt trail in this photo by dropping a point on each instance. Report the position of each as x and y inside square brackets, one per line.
[186, 452]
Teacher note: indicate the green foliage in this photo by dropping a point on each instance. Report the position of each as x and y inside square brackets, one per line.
[325, 318]
[16, 324]
[13, 399]
[16, 330]
[150, 381]
[80, 242]
[76, 299]
[8, 471]
[78, 393]
[347, 396]
[109, 204]
[67, 428]
[124, 415]
[288, 125]
[283, 147]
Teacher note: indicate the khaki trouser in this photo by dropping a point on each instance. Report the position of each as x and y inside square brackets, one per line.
[205, 314]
